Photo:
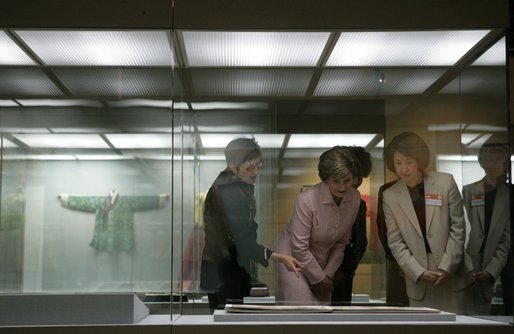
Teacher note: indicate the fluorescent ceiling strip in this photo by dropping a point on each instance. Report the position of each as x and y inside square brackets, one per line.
[140, 141]
[59, 103]
[8, 103]
[100, 48]
[83, 130]
[487, 127]
[168, 130]
[6, 143]
[292, 171]
[304, 153]
[62, 140]
[218, 157]
[38, 157]
[467, 138]
[329, 140]
[11, 130]
[446, 127]
[457, 158]
[495, 56]
[223, 48]
[141, 103]
[229, 105]
[11, 53]
[221, 140]
[229, 128]
[103, 157]
[479, 141]
[407, 48]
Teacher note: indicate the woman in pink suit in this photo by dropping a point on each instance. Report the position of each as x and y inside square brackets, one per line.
[319, 230]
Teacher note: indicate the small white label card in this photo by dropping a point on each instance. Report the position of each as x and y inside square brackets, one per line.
[433, 200]
[478, 200]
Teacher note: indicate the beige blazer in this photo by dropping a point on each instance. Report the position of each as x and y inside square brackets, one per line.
[497, 246]
[445, 231]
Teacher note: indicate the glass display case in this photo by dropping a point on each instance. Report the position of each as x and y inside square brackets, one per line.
[122, 178]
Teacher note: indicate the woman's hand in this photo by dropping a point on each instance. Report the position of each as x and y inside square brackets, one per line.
[444, 277]
[291, 264]
[435, 278]
[481, 276]
[326, 286]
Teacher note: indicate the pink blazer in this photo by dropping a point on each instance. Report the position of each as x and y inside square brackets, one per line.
[316, 235]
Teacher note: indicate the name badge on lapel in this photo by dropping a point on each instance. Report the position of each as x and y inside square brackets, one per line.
[433, 200]
[478, 200]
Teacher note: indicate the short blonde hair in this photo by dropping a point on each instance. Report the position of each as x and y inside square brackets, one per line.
[338, 161]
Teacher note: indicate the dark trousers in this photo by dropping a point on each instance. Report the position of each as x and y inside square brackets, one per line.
[342, 294]
[396, 292]
[506, 281]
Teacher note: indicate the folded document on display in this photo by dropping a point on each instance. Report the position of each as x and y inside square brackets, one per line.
[247, 308]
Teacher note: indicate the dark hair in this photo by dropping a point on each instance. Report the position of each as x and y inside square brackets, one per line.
[494, 145]
[240, 150]
[338, 161]
[364, 158]
[410, 145]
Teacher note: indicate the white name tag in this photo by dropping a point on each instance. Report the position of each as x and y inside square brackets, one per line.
[433, 200]
[478, 200]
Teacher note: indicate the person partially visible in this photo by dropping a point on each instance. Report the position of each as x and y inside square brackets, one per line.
[425, 226]
[396, 294]
[319, 230]
[487, 203]
[231, 252]
[354, 251]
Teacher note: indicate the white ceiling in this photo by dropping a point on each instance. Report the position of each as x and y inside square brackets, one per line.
[124, 69]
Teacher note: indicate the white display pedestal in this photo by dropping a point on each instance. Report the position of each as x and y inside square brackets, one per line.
[223, 316]
[72, 309]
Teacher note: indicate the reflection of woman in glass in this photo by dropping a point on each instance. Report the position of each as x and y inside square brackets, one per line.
[231, 250]
[425, 226]
[319, 229]
[487, 206]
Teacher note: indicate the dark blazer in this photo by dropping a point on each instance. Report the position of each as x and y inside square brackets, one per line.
[231, 246]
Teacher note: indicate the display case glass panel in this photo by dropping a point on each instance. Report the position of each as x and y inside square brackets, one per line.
[111, 141]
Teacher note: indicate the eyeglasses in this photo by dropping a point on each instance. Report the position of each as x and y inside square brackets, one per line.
[257, 166]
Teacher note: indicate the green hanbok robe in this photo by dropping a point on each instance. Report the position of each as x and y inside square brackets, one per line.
[114, 218]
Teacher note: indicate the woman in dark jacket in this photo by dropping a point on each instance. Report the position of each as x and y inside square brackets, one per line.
[231, 253]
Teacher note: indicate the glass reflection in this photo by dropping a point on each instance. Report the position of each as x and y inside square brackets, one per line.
[488, 249]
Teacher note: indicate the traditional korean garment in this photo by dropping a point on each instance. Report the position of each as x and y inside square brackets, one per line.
[114, 217]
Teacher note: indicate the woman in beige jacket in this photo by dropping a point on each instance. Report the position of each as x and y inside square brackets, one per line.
[425, 226]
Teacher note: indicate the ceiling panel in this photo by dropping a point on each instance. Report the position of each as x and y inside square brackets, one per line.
[329, 140]
[143, 82]
[495, 56]
[140, 103]
[250, 82]
[219, 140]
[59, 103]
[480, 81]
[410, 48]
[11, 53]
[8, 103]
[27, 82]
[140, 140]
[100, 48]
[370, 82]
[62, 140]
[222, 48]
